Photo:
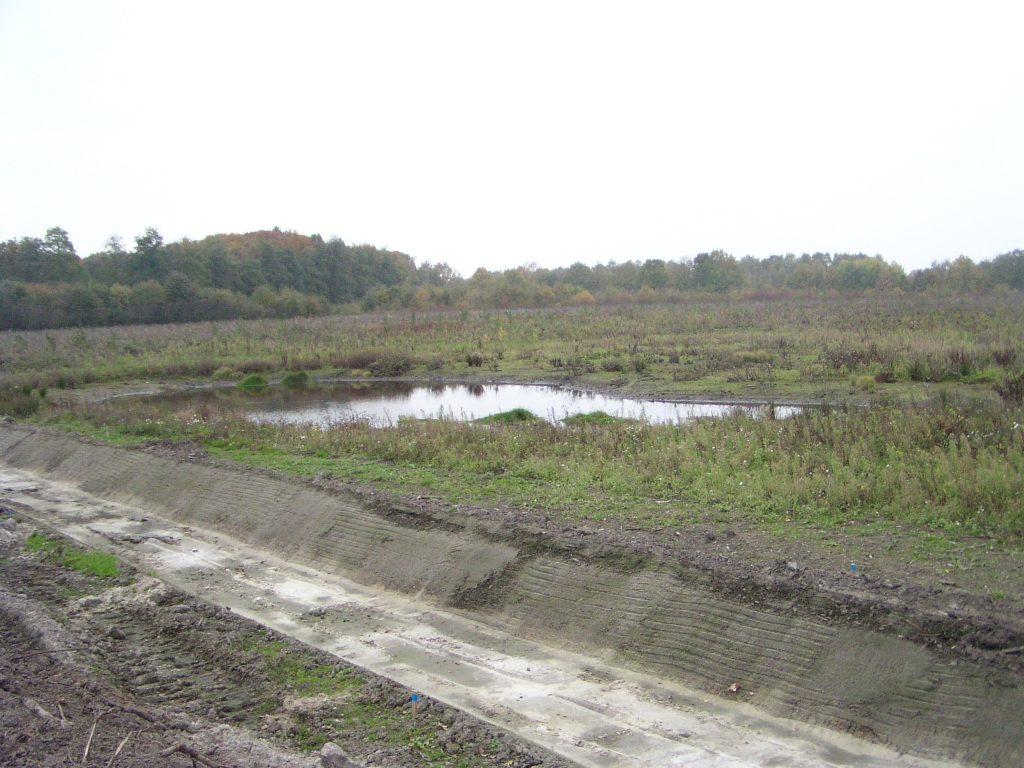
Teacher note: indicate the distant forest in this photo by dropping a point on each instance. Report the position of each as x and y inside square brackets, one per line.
[44, 283]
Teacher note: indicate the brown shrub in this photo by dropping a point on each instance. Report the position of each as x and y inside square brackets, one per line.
[256, 366]
[391, 365]
[356, 360]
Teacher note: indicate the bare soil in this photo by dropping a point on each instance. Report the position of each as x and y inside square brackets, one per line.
[130, 671]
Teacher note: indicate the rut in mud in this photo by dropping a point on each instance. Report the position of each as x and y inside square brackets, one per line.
[897, 665]
[131, 667]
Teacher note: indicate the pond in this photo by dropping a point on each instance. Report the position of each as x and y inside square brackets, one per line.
[385, 403]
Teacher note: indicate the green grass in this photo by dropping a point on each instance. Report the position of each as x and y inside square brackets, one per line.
[59, 551]
[293, 380]
[594, 417]
[515, 416]
[254, 382]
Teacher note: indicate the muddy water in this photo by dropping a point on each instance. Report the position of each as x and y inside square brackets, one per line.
[386, 402]
[578, 705]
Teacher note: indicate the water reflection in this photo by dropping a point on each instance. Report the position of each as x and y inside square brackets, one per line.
[386, 402]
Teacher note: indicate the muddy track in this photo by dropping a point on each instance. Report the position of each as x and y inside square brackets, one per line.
[137, 664]
[930, 671]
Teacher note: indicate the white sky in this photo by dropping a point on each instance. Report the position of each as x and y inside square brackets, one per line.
[487, 134]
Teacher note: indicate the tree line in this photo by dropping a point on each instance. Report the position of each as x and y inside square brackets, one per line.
[275, 273]
[44, 284]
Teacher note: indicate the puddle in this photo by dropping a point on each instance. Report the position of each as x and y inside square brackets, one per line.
[384, 403]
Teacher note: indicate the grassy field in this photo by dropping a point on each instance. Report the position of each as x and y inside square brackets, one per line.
[815, 347]
[917, 433]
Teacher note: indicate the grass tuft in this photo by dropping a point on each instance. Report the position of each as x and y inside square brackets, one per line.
[295, 380]
[515, 416]
[253, 383]
[86, 561]
[594, 417]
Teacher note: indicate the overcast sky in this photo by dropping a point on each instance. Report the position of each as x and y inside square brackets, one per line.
[498, 134]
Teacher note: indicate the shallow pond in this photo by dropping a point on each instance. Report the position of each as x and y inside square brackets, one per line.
[386, 402]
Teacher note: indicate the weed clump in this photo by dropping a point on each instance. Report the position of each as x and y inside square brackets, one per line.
[360, 360]
[296, 380]
[16, 402]
[594, 417]
[253, 383]
[391, 365]
[754, 358]
[86, 561]
[256, 366]
[1012, 390]
[515, 416]
[864, 383]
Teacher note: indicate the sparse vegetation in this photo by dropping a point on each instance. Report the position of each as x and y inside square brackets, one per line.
[60, 551]
[354, 703]
[299, 672]
[801, 347]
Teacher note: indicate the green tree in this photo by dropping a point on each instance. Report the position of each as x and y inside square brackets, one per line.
[148, 294]
[52, 260]
[717, 271]
[177, 287]
[582, 276]
[654, 274]
[61, 262]
[148, 261]
[1008, 269]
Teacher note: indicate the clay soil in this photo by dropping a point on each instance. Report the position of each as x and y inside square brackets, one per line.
[128, 671]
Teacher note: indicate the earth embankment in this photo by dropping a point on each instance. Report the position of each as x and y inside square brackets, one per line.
[795, 652]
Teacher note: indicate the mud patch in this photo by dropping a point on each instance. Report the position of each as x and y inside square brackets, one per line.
[133, 668]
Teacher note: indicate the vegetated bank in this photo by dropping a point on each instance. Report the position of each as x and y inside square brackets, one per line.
[949, 464]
